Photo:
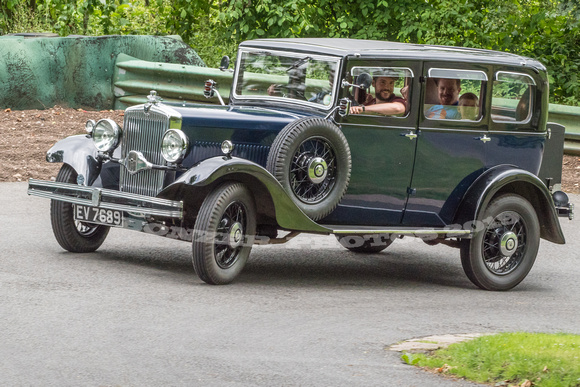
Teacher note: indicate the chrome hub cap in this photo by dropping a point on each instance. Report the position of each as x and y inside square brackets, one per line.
[236, 235]
[504, 243]
[508, 244]
[317, 170]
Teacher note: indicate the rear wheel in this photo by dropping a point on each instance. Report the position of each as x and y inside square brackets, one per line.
[502, 254]
[71, 234]
[224, 233]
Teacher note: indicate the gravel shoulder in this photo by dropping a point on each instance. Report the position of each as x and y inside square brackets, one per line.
[26, 135]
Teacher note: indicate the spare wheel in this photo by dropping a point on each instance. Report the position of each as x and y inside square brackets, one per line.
[310, 158]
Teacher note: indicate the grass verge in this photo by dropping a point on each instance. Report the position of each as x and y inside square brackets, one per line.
[521, 359]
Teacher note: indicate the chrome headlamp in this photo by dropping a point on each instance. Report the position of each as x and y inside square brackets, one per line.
[106, 135]
[227, 147]
[174, 145]
[90, 126]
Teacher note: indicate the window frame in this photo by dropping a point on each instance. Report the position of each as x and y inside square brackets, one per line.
[531, 86]
[411, 79]
[455, 73]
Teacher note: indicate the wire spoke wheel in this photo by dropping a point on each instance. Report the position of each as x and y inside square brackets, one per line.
[504, 243]
[310, 158]
[501, 255]
[86, 229]
[230, 233]
[73, 235]
[313, 170]
[223, 234]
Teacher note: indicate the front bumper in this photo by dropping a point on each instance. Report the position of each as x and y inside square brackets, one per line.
[106, 199]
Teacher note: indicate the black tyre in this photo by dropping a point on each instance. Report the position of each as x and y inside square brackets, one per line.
[502, 254]
[310, 158]
[360, 244]
[72, 235]
[224, 233]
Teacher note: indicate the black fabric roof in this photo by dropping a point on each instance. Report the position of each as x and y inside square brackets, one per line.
[383, 49]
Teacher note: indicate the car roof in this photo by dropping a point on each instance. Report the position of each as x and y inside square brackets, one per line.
[384, 49]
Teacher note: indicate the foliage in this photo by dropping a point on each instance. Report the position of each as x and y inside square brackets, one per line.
[548, 30]
[543, 359]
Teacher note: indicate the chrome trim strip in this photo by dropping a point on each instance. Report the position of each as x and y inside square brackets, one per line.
[517, 74]
[381, 68]
[478, 130]
[378, 126]
[400, 231]
[432, 74]
[109, 199]
[515, 133]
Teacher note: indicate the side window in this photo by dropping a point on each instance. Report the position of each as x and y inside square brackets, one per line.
[512, 97]
[452, 94]
[389, 93]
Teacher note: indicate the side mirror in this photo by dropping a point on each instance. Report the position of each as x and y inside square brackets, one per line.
[225, 63]
[363, 80]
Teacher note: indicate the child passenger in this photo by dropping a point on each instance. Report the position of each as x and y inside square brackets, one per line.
[469, 107]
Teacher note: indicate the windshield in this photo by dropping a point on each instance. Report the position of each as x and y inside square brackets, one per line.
[275, 75]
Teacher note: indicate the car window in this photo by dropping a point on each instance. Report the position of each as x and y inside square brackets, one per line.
[512, 97]
[282, 75]
[389, 84]
[453, 94]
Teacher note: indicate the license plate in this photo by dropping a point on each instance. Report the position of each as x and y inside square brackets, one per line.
[98, 215]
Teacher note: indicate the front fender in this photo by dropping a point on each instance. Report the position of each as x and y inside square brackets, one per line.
[78, 152]
[213, 171]
[509, 179]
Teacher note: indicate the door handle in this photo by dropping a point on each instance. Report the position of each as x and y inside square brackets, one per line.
[483, 139]
[411, 135]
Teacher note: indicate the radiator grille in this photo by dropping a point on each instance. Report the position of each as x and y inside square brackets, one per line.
[143, 132]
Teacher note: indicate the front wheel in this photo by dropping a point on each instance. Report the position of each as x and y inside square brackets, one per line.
[71, 234]
[502, 254]
[224, 233]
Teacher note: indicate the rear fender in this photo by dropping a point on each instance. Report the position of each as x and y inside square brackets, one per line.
[272, 201]
[508, 179]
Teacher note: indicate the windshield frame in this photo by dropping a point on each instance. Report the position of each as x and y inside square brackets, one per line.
[283, 100]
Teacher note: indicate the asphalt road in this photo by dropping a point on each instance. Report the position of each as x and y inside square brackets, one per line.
[307, 313]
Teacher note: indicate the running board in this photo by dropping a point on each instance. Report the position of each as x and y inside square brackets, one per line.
[445, 232]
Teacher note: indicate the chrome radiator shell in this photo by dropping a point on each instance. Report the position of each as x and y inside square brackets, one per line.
[143, 131]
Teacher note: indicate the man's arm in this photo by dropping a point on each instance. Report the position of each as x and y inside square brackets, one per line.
[388, 108]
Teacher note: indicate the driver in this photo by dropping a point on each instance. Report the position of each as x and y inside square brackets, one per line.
[385, 101]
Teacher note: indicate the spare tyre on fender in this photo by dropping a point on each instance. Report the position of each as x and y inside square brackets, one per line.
[310, 158]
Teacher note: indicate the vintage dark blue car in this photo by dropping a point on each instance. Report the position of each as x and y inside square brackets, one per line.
[367, 140]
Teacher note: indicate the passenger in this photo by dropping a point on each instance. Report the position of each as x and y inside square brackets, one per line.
[469, 106]
[385, 101]
[448, 93]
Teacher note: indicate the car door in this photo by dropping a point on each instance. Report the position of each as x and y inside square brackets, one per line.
[382, 150]
[450, 146]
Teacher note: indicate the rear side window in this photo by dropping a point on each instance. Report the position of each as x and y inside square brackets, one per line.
[512, 97]
[453, 94]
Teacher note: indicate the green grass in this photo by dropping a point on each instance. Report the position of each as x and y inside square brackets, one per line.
[543, 359]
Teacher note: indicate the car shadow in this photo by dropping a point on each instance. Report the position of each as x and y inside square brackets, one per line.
[330, 268]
